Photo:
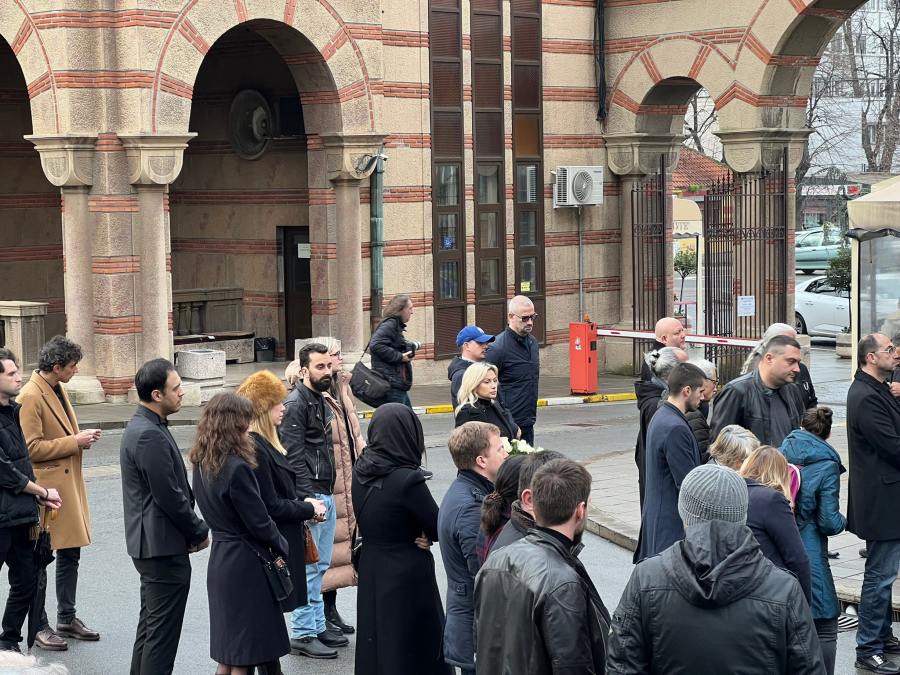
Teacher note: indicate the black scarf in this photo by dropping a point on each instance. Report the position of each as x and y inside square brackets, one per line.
[396, 441]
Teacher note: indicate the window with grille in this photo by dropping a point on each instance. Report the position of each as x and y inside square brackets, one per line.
[528, 156]
[448, 177]
[490, 181]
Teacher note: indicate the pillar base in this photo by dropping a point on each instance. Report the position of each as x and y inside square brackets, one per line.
[85, 390]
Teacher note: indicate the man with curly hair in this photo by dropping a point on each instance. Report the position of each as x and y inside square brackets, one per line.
[56, 446]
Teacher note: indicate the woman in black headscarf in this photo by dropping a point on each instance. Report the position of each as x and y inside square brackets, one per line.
[400, 619]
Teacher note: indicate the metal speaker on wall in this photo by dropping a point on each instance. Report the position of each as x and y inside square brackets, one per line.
[251, 126]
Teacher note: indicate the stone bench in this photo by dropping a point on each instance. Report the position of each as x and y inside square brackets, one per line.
[237, 345]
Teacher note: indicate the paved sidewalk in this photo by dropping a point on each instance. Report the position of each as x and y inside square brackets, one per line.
[615, 515]
[426, 398]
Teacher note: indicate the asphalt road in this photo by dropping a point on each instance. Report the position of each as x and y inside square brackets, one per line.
[108, 587]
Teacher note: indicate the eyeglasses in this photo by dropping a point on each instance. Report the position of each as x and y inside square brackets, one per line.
[889, 350]
[713, 380]
[526, 319]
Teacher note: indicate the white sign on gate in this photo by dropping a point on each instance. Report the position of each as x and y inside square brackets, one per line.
[746, 305]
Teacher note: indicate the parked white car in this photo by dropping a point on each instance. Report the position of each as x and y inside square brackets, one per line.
[820, 310]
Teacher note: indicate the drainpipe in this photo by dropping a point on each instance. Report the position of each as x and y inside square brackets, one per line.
[376, 237]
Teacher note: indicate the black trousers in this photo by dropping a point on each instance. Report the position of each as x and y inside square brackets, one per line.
[165, 584]
[17, 552]
[66, 584]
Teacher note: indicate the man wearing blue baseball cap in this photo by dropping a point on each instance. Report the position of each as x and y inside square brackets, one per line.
[474, 343]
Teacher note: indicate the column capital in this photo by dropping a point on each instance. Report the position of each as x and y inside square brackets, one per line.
[748, 150]
[66, 159]
[638, 154]
[351, 156]
[154, 159]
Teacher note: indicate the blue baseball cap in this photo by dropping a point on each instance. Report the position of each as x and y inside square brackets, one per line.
[472, 333]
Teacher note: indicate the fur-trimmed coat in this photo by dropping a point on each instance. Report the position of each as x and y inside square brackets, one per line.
[347, 447]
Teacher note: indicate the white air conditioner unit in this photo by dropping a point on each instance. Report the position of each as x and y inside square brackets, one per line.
[578, 186]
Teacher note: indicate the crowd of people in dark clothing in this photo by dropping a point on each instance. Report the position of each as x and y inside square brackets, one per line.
[740, 493]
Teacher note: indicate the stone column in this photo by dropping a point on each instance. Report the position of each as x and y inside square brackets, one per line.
[154, 161]
[349, 246]
[67, 163]
[350, 158]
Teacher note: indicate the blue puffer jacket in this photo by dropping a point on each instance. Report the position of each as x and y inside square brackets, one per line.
[817, 501]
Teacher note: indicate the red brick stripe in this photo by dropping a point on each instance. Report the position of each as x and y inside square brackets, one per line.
[401, 89]
[116, 386]
[145, 18]
[405, 141]
[172, 86]
[260, 299]
[348, 93]
[570, 94]
[587, 238]
[12, 254]
[116, 265]
[400, 38]
[737, 91]
[32, 201]
[650, 66]
[626, 102]
[364, 31]
[258, 196]
[334, 44]
[323, 251]
[225, 246]
[104, 79]
[702, 55]
[120, 325]
[21, 37]
[108, 143]
[551, 46]
[39, 86]
[193, 36]
[597, 285]
[658, 109]
[113, 203]
[240, 8]
[573, 141]
[407, 194]
[324, 307]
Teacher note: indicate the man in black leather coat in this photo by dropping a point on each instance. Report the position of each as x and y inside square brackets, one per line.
[536, 608]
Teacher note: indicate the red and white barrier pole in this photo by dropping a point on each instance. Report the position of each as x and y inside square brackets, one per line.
[693, 339]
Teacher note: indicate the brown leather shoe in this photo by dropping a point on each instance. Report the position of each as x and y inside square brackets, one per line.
[47, 639]
[77, 630]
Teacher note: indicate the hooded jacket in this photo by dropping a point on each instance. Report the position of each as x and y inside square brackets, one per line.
[648, 401]
[714, 588]
[817, 510]
[538, 612]
[455, 372]
[520, 521]
[388, 347]
[697, 420]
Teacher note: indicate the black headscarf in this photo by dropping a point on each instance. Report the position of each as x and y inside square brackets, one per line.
[396, 441]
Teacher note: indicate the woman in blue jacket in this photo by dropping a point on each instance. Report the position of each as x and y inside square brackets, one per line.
[818, 516]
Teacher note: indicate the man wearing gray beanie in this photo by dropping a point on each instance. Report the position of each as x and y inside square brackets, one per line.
[712, 603]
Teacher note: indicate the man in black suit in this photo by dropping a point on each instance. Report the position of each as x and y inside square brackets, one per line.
[161, 528]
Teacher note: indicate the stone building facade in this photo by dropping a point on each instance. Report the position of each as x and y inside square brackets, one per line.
[119, 186]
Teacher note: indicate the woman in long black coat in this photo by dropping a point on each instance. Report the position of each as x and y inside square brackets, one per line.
[276, 478]
[478, 400]
[400, 618]
[246, 624]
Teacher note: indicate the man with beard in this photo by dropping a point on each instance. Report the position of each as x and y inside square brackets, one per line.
[672, 453]
[536, 608]
[305, 433]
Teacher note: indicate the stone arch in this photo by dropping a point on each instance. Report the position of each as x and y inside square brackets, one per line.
[322, 53]
[24, 38]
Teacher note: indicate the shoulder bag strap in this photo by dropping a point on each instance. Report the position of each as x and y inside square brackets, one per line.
[215, 509]
[358, 514]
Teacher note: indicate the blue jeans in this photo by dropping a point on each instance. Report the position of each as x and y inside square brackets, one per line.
[310, 618]
[875, 613]
[398, 396]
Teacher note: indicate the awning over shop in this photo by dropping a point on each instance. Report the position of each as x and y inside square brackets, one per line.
[687, 219]
[876, 214]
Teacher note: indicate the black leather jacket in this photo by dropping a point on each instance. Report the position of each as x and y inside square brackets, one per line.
[713, 604]
[745, 401]
[305, 433]
[388, 347]
[537, 611]
[16, 507]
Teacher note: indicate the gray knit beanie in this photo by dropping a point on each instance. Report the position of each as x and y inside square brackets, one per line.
[712, 492]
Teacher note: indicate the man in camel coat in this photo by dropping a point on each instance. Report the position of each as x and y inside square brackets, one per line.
[55, 446]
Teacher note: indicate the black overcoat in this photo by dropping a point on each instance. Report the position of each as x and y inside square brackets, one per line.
[278, 490]
[246, 625]
[873, 439]
[490, 412]
[400, 618]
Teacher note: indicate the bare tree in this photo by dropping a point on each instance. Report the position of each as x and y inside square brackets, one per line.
[699, 123]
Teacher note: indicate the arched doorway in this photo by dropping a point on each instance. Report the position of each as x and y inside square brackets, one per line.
[240, 214]
[31, 245]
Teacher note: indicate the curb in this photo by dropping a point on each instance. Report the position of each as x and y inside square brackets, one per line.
[542, 402]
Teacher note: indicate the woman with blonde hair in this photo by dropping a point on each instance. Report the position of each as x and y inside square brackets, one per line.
[276, 477]
[478, 400]
[769, 514]
[348, 444]
[246, 625]
[733, 445]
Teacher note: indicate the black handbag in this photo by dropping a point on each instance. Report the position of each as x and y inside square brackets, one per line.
[367, 385]
[277, 573]
[356, 551]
